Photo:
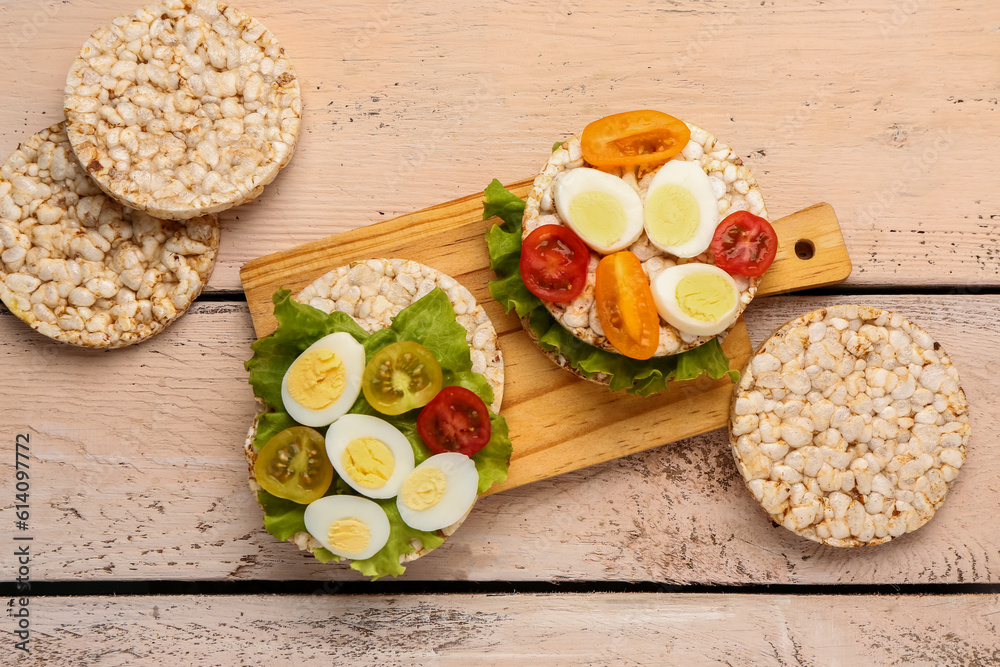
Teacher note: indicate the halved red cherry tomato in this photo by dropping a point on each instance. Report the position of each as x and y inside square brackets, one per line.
[633, 138]
[554, 263]
[400, 377]
[625, 306]
[744, 244]
[456, 420]
[293, 465]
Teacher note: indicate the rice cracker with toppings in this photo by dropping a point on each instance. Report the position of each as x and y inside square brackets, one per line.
[374, 291]
[729, 185]
[849, 426]
[183, 108]
[78, 266]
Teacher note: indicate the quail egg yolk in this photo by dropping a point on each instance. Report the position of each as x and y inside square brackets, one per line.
[369, 462]
[423, 489]
[317, 379]
[599, 217]
[672, 215]
[705, 297]
[350, 535]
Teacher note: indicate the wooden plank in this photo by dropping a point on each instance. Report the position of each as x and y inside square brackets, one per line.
[540, 399]
[881, 109]
[583, 629]
[560, 423]
[137, 474]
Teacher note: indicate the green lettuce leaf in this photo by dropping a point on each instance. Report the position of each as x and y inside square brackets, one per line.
[429, 321]
[283, 518]
[271, 424]
[636, 377]
[503, 203]
[386, 561]
[493, 460]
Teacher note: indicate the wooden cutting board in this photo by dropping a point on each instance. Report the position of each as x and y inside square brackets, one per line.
[557, 422]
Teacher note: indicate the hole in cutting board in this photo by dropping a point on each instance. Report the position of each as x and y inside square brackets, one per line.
[804, 249]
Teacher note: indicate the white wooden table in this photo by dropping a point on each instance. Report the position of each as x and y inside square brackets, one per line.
[147, 545]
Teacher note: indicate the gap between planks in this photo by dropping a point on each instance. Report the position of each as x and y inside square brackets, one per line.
[583, 629]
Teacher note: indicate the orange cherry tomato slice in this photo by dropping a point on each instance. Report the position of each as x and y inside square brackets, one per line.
[625, 306]
[633, 138]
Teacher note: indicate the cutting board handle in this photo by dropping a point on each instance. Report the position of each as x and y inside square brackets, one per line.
[811, 252]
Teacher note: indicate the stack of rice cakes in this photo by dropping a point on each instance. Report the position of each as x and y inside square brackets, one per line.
[107, 221]
[183, 109]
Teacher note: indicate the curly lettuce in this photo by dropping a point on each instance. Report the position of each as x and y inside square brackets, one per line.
[635, 377]
[429, 321]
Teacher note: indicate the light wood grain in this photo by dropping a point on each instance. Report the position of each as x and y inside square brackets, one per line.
[579, 629]
[885, 110]
[138, 474]
[558, 423]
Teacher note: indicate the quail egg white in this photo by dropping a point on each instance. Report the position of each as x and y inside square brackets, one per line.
[349, 526]
[370, 454]
[681, 211]
[438, 492]
[698, 299]
[324, 381]
[603, 210]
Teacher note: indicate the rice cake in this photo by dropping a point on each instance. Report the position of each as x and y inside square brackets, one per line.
[372, 292]
[78, 266]
[183, 108]
[849, 425]
[735, 188]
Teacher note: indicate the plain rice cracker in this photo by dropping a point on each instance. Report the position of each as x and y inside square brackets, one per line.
[849, 426]
[183, 108]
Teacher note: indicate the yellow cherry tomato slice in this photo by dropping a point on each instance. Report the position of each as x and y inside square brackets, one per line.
[625, 306]
[400, 377]
[633, 138]
[294, 465]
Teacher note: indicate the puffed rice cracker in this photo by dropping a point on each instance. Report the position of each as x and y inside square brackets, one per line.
[183, 108]
[373, 292]
[736, 190]
[849, 425]
[81, 268]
